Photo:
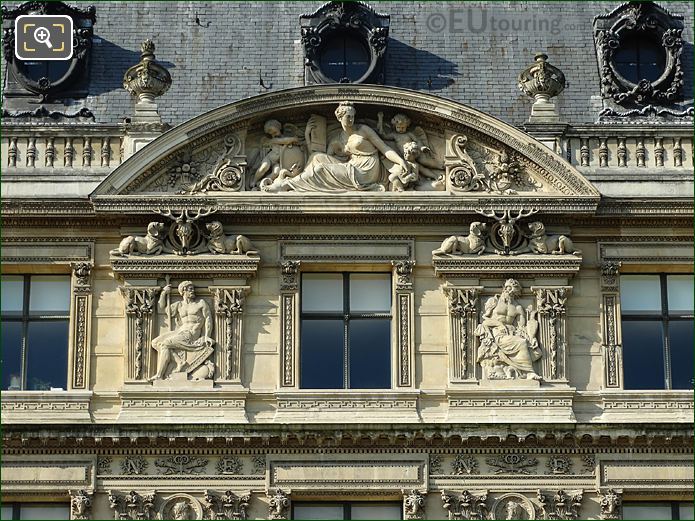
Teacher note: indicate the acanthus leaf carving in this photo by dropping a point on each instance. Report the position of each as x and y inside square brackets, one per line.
[413, 504]
[290, 275]
[563, 505]
[226, 506]
[229, 306]
[139, 307]
[404, 274]
[132, 505]
[467, 505]
[611, 502]
[462, 312]
[80, 504]
[278, 505]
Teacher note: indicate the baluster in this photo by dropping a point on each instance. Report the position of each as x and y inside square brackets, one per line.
[584, 152]
[603, 153]
[31, 152]
[677, 152]
[659, 151]
[105, 151]
[69, 153]
[50, 151]
[622, 152]
[12, 152]
[640, 153]
[87, 152]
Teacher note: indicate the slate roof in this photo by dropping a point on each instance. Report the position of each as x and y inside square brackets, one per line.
[218, 52]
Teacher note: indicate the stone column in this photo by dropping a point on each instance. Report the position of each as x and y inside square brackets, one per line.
[140, 303]
[552, 330]
[610, 317]
[405, 345]
[463, 319]
[229, 308]
[289, 317]
[80, 333]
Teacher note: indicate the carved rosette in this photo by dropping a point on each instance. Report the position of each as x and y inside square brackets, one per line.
[551, 307]
[467, 505]
[80, 504]
[463, 318]
[611, 502]
[403, 273]
[140, 303]
[289, 302]
[132, 505]
[226, 506]
[79, 336]
[229, 308]
[612, 348]
[229, 173]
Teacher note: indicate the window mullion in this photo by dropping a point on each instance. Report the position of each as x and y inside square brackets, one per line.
[25, 331]
[346, 330]
[665, 332]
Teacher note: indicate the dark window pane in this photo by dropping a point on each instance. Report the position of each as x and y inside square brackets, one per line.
[47, 355]
[344, 57]
[639, 58]
[12, 356]
[53, 70]
[643, 358]
[370, 354]
[680, 335]
[321, 354]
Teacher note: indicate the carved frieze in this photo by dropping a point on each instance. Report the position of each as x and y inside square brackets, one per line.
[139, 307]
[512, 463]
[133, 465]
[229, 466]
[181, 464]
[552, 333]
[464, 464]
[80, 344]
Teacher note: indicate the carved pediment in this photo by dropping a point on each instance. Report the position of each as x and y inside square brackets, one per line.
[387, 145]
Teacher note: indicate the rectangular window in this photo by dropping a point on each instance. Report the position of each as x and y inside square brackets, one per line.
[657, 326]
[345, 331]
[35, 324]
[658, 510]
[35, 511]
[369, 510]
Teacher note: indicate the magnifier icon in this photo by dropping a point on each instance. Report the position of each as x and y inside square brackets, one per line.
[43, 35]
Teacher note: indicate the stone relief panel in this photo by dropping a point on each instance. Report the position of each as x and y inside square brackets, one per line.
[348, 148]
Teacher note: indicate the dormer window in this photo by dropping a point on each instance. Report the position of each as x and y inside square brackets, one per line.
[639, 50]
[344, 42]
[48, 81]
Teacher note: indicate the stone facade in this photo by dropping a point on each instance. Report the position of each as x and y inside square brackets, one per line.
[505, 242]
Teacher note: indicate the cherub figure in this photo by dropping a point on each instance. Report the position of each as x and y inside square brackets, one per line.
[401, 136]
[401, 180]
[277, 143]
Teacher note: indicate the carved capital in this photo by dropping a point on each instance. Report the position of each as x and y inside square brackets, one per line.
[82, 272]
[562, 505]
[467, 505]
[551, 301]
[133, 505]
[413, 504]
[290, 275]
[80, 504]
[462, 301]
[139, 301]
[278, 505]
[226, 506]
[609, 275]
[611, 502]
[404, 274]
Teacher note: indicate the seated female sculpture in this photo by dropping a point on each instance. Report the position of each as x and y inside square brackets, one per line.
[350, 163]
[508, 345]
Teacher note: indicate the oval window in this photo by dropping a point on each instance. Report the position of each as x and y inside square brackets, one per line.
[344, 57]
[639, 57]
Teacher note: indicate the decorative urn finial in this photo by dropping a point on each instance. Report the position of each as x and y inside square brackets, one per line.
[542, 81]
[148, 79]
